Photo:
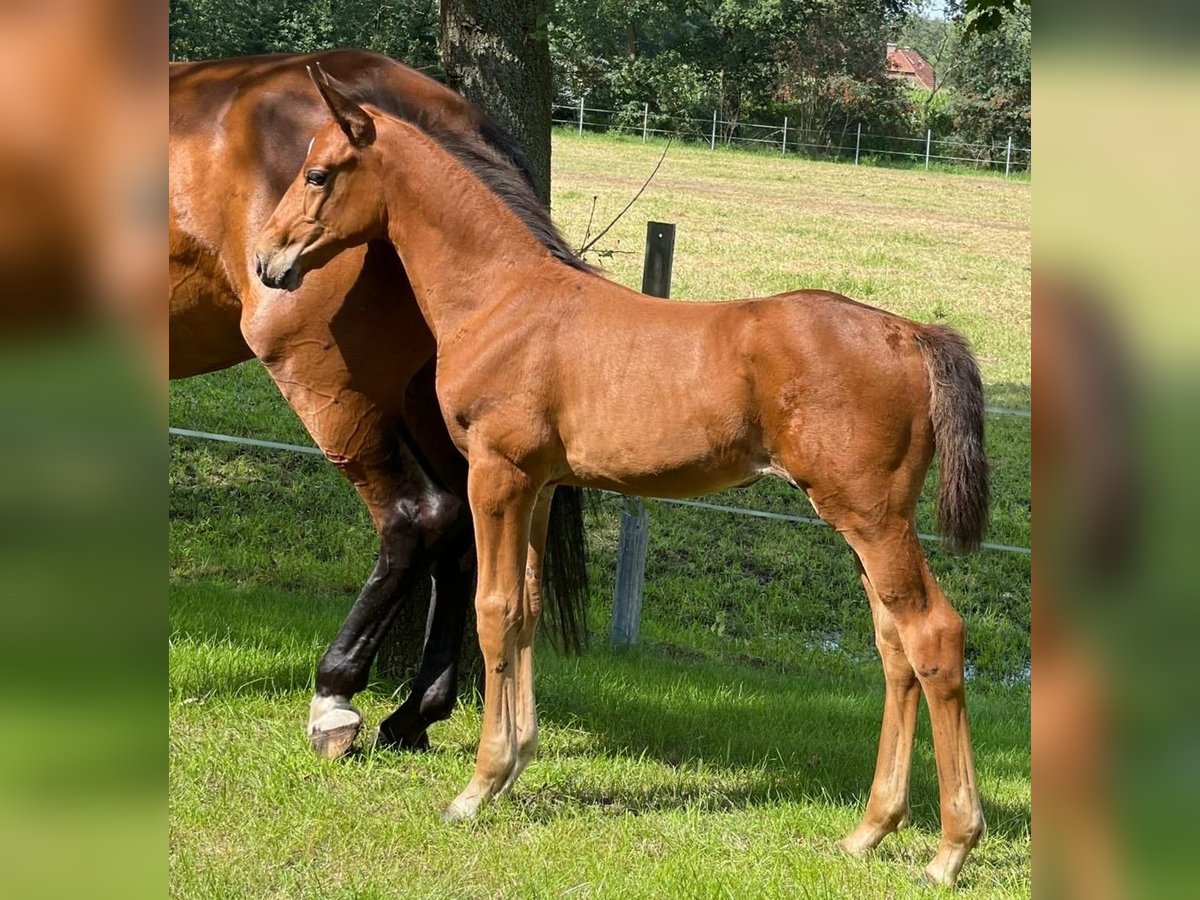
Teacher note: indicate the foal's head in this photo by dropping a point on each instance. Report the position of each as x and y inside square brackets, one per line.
[335, 202]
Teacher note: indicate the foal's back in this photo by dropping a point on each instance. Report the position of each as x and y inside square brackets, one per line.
[672, 398]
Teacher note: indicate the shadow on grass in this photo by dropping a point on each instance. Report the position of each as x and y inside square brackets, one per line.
[767, 735]
[773, 736]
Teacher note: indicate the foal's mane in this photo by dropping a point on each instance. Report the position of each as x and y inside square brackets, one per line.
[493, 156]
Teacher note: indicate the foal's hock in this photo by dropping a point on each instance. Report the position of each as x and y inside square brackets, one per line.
[551, 375]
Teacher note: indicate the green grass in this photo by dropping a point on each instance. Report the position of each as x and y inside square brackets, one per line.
[913, 160]
[661, 774]
[731, 750]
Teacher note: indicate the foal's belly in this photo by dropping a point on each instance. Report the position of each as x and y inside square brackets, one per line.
[647, 451]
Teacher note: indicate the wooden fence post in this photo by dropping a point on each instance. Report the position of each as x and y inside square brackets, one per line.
[928, 142]
[645, 121]
[712, 141]
[581, 117]
[635, 523]
[783, 146]
[857, 142]
[631, 572]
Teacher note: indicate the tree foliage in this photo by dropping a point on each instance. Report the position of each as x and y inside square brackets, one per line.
[210, 29]
[818, 62]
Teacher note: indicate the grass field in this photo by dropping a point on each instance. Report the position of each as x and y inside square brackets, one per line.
[728, 753]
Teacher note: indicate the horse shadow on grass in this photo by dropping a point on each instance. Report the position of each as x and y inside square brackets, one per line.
[759, 735]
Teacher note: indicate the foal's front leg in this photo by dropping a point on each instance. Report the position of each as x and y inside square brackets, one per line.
[502, 501]
[526, 718]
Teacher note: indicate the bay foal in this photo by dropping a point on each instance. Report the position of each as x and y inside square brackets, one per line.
[549, 375]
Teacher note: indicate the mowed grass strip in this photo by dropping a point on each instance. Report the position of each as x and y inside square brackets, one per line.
[729, 753]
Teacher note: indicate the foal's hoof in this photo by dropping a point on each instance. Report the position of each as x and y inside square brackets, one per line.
[936, 876]
[456, 813]
[465, 807]
[857, 845]
[333, 734]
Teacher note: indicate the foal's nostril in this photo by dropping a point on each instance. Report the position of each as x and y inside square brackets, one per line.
[258, 265]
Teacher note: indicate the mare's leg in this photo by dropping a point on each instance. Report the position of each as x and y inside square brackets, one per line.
[415, 518]
[887, 809]
[435, 692]
[502, 501]
[436, 689]
[344, 351]
[930, 633]
[531, 610]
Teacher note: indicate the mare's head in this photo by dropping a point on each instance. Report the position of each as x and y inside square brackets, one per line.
[335, 202]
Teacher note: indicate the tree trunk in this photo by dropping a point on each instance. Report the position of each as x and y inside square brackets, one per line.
[496, 53]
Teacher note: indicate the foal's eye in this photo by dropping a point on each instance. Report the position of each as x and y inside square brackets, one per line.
[316, 177]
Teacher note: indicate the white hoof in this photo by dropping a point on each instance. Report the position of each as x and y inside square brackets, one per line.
[333, 724]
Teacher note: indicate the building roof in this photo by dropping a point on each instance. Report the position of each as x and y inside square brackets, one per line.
[906, 63]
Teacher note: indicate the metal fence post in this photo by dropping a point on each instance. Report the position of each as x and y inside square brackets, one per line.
[1008, 157]
[712, 141]
[581, 117]
[928, 141]
[645, 120]
[635, 522]
[857, 142]
[783, 146]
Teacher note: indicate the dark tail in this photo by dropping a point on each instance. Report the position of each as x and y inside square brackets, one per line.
[564, 575]
[956, 407]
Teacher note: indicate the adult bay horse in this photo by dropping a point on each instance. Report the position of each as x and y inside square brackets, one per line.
[548, 375]
[352, 361]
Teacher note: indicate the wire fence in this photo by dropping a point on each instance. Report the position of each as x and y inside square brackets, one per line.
[712, 507]
[853, 143]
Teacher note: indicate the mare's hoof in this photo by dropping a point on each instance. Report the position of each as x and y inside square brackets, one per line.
[390, 739]
[333, 734]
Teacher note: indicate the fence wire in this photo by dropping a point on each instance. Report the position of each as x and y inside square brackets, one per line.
[699, 504]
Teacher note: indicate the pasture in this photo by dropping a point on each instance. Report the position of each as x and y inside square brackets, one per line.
[730, 751]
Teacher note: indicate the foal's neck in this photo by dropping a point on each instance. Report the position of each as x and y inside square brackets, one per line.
[461, 246]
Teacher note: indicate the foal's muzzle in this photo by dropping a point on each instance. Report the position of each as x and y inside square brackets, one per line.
[277, 270]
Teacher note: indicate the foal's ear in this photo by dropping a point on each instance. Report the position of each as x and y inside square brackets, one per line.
[351, 117]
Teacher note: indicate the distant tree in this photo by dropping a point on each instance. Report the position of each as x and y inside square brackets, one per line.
[819, 61]
[993, 83]
[938, 40]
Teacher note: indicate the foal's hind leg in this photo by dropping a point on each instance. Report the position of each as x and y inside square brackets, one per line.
[930, 633]
[887, 809]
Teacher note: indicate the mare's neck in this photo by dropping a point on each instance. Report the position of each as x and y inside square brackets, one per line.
[460, 244]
